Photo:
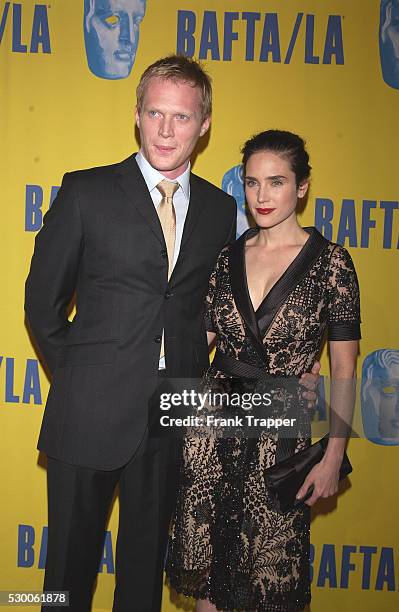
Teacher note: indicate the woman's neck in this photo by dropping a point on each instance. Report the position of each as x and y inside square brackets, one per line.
[287, 232]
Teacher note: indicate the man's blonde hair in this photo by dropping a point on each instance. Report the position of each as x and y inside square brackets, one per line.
[178, 68]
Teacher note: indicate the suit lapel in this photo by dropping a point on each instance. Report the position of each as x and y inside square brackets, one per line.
[131, 181]
[195, 208]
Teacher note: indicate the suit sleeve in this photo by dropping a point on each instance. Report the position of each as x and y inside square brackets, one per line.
[53, 272]
[231, 237]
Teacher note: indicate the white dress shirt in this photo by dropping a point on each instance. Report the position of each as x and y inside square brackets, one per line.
[181, 201]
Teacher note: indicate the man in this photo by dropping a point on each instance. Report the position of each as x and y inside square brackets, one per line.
[140, 283]
[112, 29]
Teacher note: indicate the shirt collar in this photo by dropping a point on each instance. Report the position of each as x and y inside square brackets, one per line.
[152, 177]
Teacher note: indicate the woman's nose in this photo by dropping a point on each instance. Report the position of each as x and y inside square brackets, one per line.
[263, 194]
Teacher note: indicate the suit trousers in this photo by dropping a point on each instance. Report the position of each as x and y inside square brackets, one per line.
[79, 501]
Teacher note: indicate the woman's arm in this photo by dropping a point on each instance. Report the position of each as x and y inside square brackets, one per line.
[343, 357]
[343, 324]
[325, 475]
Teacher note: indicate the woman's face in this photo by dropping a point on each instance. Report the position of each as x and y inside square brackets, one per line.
[270, 188]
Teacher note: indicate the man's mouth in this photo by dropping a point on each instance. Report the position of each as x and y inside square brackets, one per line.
[265, 211]
[164, 149]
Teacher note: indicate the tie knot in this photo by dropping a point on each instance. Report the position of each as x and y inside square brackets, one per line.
[167, 188]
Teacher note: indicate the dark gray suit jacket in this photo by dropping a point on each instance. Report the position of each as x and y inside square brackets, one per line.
[102, 240]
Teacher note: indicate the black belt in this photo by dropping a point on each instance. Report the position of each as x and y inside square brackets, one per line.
[234, 367]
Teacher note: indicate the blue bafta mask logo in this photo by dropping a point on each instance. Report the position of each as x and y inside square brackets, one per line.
[233, 184]
[112, 29]
[380, 397]
[389, 42]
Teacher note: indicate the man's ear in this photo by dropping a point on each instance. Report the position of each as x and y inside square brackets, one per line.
[137, 115]
[302, 189]
[205, 126]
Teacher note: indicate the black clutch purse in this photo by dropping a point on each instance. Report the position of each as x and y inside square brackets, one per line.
[284, 479]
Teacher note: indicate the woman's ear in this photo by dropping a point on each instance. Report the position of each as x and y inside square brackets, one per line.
[302, 189]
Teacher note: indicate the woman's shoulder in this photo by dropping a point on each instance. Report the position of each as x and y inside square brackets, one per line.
[335, 252]
[340, 257]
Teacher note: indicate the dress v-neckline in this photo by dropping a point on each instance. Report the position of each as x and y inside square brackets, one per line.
[280, 279]
[258, 323]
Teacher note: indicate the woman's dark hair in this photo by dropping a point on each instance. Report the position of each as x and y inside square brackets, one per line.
[282, 143]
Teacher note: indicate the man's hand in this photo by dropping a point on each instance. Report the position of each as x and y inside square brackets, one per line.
[310, 381]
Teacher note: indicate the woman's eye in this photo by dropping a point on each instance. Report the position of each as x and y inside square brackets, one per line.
[112, 20]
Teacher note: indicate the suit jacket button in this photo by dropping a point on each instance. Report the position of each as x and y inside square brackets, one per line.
[164, 253]
[158, 339]
[168, 295]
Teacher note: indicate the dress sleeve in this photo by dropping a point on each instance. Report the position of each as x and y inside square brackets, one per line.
[210, 319]
[343, 297]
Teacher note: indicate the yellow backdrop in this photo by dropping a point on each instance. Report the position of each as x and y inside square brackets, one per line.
[311, 67]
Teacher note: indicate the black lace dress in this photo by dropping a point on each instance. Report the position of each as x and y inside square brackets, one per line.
[228, 544]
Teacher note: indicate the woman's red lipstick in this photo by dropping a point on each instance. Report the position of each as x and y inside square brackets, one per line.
[265, 211]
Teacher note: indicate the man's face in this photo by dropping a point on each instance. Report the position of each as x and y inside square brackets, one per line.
[389, 42]
[170, 123]
[112, 35]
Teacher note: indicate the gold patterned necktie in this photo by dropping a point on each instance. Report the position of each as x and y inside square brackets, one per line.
[167, 217]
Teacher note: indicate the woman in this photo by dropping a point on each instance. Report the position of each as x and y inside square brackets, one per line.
[272, 296]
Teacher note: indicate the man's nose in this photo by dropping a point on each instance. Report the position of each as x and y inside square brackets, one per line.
[166, 127]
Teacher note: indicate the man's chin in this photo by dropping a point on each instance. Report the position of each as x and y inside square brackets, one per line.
[163, 163]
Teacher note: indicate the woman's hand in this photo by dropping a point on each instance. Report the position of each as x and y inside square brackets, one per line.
[324, 478]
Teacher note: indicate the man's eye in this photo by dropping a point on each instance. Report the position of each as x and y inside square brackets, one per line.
[153, 113]
[182, 117]
[277, 183]
[250, 183]
[112, 20]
